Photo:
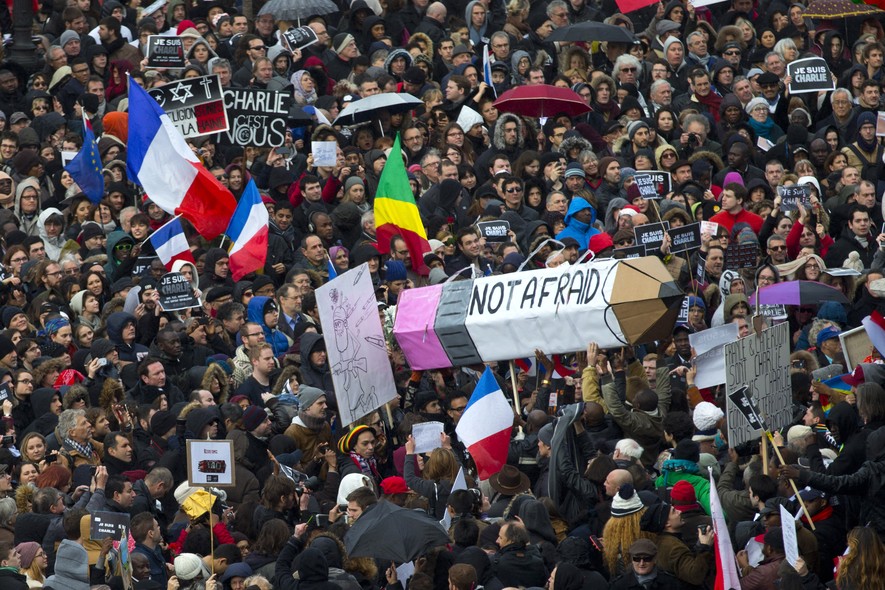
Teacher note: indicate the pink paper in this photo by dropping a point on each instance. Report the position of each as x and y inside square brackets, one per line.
[413, 328]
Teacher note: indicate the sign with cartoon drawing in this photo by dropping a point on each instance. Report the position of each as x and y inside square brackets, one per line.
[355, 346]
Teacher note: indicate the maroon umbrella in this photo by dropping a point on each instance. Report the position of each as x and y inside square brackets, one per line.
[542, 100]
[798, 293]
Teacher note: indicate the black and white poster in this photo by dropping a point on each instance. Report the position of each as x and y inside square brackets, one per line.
[685, 238]
[108, 524]
[194, 105]
[165, 52]
[5, 392]
[494, 231]
[299, 38]
[257, 117]
[629, 252]
[739, 256]
[176, 292]
[809, 75]
[651, 235]
[794, 195]
[653, 184]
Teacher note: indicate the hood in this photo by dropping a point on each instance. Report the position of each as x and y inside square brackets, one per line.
[195, 377]
[730, 100]
[179, 264]
[32, 182]
[255, 311]
[41, 399]
[515, 58]
[213, 256]
[498, 139]
[114, 238]
[575, 141]
[312, 566]
[615, 203]
[108, 7]
[329, 548]
[41, 221]
[71, 563]
[725, 281]
[198, 419]
[449, 191]
[579, 204]
[845, 418]
[46, 125]
[876, 445]
[115, 324]
[395, 54]
[537, 520]
[309, 342]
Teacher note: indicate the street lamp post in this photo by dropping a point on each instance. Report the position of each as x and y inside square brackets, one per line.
[23, 51]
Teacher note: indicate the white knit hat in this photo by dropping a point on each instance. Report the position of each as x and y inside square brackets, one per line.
[706, 416]
[626, 502]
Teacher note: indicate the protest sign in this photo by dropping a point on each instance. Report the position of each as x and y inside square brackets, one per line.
[682, 318]
[299, 38]
[494, 231]
[856, 346]
[67, 156]
[791, 541]
[426, 435]
[108, 524]
[257, 117]
[744, 403]
[653, 184]
[764, 144]
[142, 264]
[651, 235]
[176, 292]
[629, 252]
[794, 195]
[809, 75]
[355, 344]
[710, 360]
[5, 392]
[880, 124]
[325, 153]
[774, 312]
[194, 105]
[685, 238]
[761, 363]
[165, 52]
[842, 272]
[709, 227]
[210, 463]
[739, 256]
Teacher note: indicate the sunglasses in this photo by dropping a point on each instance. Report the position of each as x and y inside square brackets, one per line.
[643, 558]
[123, 247]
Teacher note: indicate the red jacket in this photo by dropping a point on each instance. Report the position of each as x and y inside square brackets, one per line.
[728, 220]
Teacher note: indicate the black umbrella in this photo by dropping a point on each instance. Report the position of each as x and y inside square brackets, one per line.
[390, 533]
[592, 31]
[295, 10]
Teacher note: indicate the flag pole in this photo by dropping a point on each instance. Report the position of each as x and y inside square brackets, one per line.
[780, 458]
[159, 228]
[516, 408]
[221, 243]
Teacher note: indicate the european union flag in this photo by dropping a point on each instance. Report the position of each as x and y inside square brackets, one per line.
[85, 168]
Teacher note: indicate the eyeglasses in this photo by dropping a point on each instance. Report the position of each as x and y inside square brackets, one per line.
[26, 381]
[459, 409]
[732, 52]
[19, 260]
[257, 48]
[628, 69]
[668, 155]
[777, 248]
[57, 273]
[812, 267]
[123, 247]
[624, 242]
[255, 335]
[643, 558]
[514, 190]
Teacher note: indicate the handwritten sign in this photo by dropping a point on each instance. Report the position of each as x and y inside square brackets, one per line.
[794, 195]
[426, 435]
[325, 153]
[257, 117]
[651, 235]
[809, 75]
[494, 231]
[195, 105]
[165, 52]
[652, 184]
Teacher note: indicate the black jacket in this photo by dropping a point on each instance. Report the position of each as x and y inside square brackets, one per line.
[663, 581]
[520, 566]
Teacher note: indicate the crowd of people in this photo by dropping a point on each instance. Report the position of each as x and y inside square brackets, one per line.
[616, 456]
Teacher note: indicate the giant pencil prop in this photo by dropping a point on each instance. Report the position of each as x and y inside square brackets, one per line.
[611, 302]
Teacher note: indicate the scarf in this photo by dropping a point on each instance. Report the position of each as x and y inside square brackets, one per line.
[298, 90]
[310, 422]
[610, 110]
[85, 450]
[763, 129]
[712, 102]
[822, 515]
[369, 467]
[701, 60]
[868, 146]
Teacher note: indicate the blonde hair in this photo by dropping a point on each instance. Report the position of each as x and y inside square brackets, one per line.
[619, 533]
[864, 564]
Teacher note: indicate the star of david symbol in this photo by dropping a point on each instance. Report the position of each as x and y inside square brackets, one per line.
[186, 90]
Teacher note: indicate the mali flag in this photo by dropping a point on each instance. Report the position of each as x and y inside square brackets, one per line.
[396, 212]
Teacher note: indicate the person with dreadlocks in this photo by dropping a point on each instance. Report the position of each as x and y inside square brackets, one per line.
[358, 448]
[622, 530]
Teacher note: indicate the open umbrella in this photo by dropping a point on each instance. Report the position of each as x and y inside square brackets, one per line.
[798, 293]
[390, 533]
[542, 100]
[592, 31]
[295, 10]
[367, 109]
[837, 9]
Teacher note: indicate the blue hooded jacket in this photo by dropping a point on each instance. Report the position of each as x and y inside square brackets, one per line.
[255, 313]
[582, 232]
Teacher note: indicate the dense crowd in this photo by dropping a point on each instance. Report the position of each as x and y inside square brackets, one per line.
[616, 457]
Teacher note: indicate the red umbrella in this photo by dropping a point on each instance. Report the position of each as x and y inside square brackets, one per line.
[542, 100]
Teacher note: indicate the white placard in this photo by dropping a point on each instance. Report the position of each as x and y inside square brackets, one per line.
[709, 345]
[355, 344]
[325, 153]
[426, 435]
[210, 463]
[791, 543]
[760, 362]
[709, 227]
[460, 484]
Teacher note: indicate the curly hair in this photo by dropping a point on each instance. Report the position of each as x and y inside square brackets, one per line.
[864, 564]
[45, 369]
[23, 497]
[214, 371]
[619, 533]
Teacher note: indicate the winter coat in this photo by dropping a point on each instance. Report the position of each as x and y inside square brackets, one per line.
[663, 581]
[278, 341]
[691, 568]
[520, 566]
[580, 231]
[313, 375]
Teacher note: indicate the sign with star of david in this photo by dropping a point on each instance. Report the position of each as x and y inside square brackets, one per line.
[194, 105]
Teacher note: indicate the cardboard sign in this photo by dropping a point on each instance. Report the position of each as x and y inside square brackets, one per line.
[809, 75]
[761, 364]
[195, 105]
[709, 345]
[791, 539]
[653, 184]
[108, 524]
[257, 117]
[5, 392]
[299, 38]
[210, 463]
[739, 256]
[685, 238]
[793, 196]
[494, 231]
[165, 52]
[651, 235]
[856, 346]
[176, 292]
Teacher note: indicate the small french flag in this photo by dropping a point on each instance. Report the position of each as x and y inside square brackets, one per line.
[487, 69]
[875, 327]
[171, 244]
[485, 426]
[248, 232]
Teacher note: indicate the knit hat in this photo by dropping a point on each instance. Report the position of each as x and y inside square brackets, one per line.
[340, 41]
[101, 347]
[6, 346]
[627, 172]
[253, 417]
[353, 181]
[683, 497]
[600, 242]
[633, 192]
[706, 416]
[346, 442]
[236, 570]
[308, 396]
[694, 301]
[758, 101]
[162, 422]
[625, 502]
[394, 485]
[422, 398]
[415, 75]
[687, 450]
[575, 169]
[90, 230]
[545, 435]
[635, 126]
[189, 565]
[537, 19]
[67, 37]
[9, 312]
[27, 551]
[866, 118]
[395, 270]
[798, 432]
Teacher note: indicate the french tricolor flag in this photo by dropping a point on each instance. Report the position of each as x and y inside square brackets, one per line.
[171, 174]
[875, 327]
[171, 244]
[485, 426]
[248, 232]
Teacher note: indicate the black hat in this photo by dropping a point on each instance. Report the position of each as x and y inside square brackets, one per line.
[162, 422]
[101, 347]
[422, 398]
[415, 75]
[767, 78]
[90, 230]
[217, 293]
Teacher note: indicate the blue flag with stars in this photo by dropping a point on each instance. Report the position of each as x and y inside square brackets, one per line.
[85, 168]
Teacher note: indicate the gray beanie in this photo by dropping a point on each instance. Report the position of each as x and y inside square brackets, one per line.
[308, 396]
[545, 435]
[352, 181]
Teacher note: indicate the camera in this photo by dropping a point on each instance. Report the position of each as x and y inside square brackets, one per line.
[694, 139]
[312, 484]
[7, 440]
[102, 362]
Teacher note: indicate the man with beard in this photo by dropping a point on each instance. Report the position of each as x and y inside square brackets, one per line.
[112, 39]
[216, 270]
[310, 430]
[259, 382]
[257, 425]
[282, 238]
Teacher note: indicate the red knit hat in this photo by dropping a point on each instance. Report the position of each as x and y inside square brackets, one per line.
[683, 497]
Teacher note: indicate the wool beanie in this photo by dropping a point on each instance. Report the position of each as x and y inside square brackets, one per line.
[683, 496]
[626, 502]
